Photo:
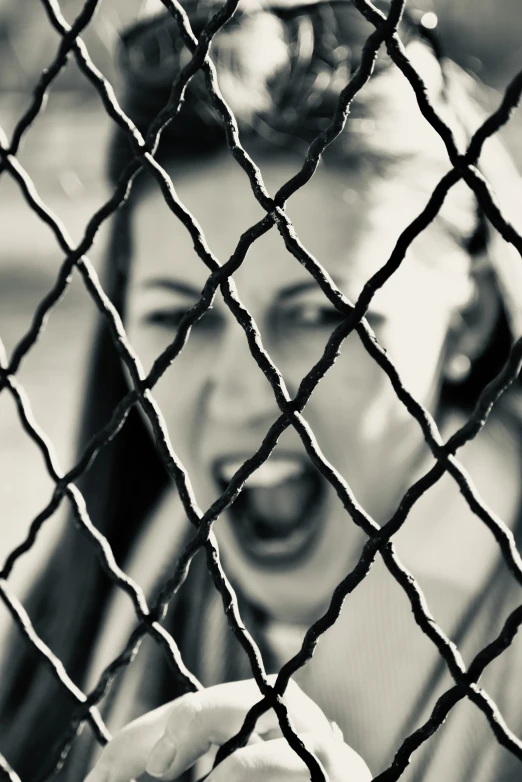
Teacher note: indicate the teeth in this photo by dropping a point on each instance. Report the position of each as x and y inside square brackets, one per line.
[270, 474]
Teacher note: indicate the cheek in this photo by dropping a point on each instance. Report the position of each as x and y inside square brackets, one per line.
[364, 429]
[179, 391]
[351, 404]
[352, 407]
[415, 344]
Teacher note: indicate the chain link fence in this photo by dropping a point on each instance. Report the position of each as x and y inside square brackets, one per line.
[379, 541]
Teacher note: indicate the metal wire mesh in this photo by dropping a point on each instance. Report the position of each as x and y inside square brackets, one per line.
[220, 276]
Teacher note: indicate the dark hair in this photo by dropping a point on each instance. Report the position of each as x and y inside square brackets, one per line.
[282, 103]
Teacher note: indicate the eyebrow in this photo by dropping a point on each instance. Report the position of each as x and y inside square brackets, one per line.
[302, 287]
[174, 285]
[188, 290]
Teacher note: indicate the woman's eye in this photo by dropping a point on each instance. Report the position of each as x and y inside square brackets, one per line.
[312, 316]
[171, 319]
[166, 318]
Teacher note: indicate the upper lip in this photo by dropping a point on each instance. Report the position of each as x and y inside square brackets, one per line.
[234, 462]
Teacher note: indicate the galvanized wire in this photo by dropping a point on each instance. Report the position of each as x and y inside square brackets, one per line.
[291, 409]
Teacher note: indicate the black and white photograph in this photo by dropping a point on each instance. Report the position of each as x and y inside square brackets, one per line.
[260, 391]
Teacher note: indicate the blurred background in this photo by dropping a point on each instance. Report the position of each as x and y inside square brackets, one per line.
[64, 152]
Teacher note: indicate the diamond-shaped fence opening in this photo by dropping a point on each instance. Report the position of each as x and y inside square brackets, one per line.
[462, 165]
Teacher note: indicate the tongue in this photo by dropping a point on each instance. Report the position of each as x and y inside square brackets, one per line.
[281, 507]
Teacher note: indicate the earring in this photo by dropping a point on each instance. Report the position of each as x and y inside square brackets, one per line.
[457, 368]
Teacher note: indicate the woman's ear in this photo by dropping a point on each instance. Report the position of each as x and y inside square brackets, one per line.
[472, 326]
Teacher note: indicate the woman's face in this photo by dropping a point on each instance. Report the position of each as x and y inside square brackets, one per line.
[287, 541]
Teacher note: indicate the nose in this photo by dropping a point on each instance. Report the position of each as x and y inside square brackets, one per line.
[238, 391]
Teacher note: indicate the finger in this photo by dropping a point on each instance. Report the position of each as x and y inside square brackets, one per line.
[199, 720]
[191, 724]
[213, 716]
[125, 756]
[276, 761]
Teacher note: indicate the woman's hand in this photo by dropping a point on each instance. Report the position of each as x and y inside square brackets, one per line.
[169, 740]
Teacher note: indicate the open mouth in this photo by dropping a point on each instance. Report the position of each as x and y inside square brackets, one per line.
[277, 516]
